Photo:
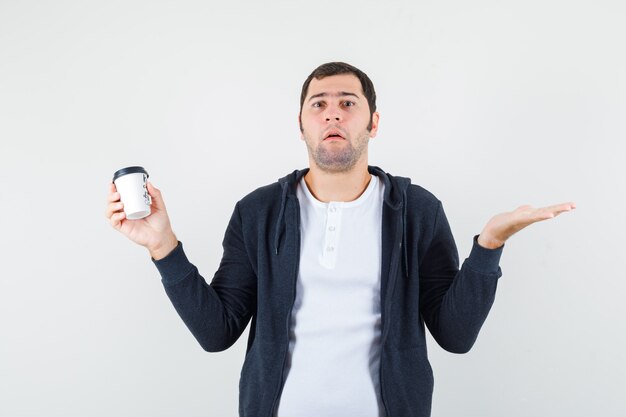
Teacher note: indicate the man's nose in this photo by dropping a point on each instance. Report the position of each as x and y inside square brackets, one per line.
[333, 114]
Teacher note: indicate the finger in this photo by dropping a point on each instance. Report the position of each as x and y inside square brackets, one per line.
[152, 189]
[550, 212]
[116, 219]
[115, 196]
[157, 198]
[524, 207]
[113, 208]
[526, 215]
[560, 208]
[112, 188]
[567, 206]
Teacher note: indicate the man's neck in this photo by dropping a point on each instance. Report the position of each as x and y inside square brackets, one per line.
[337, 186]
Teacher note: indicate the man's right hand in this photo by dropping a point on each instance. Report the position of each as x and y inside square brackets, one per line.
[153, 232]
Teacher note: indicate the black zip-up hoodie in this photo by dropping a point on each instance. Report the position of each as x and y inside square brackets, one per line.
[420, 284]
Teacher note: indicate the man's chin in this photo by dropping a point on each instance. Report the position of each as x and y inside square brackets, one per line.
[335, 167]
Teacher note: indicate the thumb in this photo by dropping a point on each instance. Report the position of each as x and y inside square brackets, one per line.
[155, 194]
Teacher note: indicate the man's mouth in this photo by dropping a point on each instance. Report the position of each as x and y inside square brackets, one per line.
[333, 135]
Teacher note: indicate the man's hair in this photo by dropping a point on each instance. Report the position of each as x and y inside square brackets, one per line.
[336, 68]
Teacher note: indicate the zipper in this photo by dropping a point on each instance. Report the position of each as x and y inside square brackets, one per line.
[393, 272]
[293, 300]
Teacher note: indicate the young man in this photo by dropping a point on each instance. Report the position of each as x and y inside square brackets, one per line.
[339, 266]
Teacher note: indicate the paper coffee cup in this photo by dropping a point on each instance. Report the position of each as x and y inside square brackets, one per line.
[131, 183]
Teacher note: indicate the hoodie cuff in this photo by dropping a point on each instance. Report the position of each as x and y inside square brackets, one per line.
[484, 260]
[175, 266]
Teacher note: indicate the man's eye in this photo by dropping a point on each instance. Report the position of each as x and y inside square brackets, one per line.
[317, 104]
[348, 103]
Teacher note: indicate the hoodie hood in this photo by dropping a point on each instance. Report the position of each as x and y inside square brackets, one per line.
[395, 187]
[394, 197]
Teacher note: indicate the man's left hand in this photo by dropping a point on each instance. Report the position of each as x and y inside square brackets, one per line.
[504, 225]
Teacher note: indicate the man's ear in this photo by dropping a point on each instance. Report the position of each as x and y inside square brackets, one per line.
[374, 129]
[300, 124]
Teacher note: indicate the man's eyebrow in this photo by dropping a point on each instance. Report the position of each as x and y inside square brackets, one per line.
[340, 94]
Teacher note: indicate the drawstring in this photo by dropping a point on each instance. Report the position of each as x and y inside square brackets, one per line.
[404, 237]
[283, 203]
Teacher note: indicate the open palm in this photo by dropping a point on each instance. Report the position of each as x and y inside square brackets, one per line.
[504, 225]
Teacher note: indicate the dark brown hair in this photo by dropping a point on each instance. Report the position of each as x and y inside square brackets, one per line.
[336, 68]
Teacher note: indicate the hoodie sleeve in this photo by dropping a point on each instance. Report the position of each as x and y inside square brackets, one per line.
[216, 313]
[454, 303]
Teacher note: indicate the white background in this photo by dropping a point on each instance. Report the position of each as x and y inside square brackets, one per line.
[488, 104]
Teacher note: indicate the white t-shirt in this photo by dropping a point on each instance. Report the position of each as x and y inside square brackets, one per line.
[334, 350]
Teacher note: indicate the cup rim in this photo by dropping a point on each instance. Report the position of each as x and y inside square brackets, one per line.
[129, 170]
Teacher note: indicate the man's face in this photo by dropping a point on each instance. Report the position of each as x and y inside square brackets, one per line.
[334, 119]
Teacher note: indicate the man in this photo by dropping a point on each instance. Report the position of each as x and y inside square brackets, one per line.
[339, 266]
